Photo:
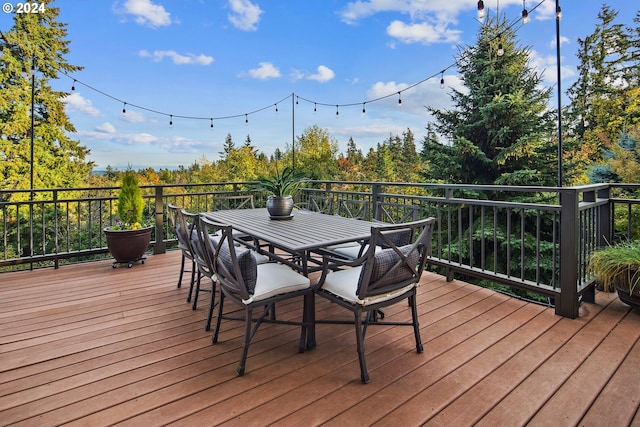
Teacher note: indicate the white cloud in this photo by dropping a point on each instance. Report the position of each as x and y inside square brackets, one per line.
[563, 40]
[133, 117]
[147, 13]
[173, 144]
[323, 75]
[176, 58]
[424, 33]
[76, 102]
[416, 9]
[414, 100]
[547, 67]
[245, 15]
[106, 127]
[266, 71]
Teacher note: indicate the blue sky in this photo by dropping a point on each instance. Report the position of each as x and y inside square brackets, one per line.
[219, 58]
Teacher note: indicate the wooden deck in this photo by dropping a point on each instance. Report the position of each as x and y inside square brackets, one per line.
[91, 345]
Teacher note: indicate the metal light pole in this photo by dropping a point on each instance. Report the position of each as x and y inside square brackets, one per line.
[559, 76]
[293, 131]
[33, 96]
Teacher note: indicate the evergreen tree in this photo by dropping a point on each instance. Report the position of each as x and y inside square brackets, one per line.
[228, 147]
[604, 98]
[500, 130]
[33, 53]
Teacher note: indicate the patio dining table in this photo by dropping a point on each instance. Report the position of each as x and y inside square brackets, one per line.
[295, 239]
[303, 233]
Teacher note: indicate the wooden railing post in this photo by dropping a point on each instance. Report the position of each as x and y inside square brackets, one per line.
[375, 195]
[567, 304]
[604, 218]
[159, 246]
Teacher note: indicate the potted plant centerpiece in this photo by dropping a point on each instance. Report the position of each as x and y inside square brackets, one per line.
[618, 267]
[282, 186]
[129, 239]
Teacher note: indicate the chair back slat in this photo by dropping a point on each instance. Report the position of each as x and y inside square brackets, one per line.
[221, 203]
[322, 204]
[399, 264]
[235, 280]
[396, 213]
[352, 208]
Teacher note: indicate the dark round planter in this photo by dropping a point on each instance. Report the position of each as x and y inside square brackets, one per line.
[128, 246]
[630, 299]
[280, 207]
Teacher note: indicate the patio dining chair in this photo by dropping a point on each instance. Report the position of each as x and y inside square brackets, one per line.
[200, 259]
[351, 208]
[243, 201]
[396, 213]
[320, 204]
[379, 279]
[183, 234]
[251, 285]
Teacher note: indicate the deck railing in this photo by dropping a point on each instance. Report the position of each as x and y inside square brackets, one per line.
[532, 238]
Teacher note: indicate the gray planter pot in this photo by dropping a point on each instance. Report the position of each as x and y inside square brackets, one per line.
[280, 207]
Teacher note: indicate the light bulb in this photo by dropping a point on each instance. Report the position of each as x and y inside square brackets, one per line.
[525, 16]
[442, 83]
[480, 9]
[500, 50]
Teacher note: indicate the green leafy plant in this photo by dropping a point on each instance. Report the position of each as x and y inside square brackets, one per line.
[617, 264]
[130, 204]
[282, 184]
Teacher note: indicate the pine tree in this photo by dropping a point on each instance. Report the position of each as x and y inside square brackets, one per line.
[500, 130]
[606, 97]
[33, 54]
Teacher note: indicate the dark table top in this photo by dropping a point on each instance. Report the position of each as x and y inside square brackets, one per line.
[304, 231]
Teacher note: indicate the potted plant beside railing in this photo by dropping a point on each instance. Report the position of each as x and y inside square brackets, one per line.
[129, 238]
[282, 186]
[618, 267]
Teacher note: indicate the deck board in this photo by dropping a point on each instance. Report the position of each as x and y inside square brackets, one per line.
[88, 344]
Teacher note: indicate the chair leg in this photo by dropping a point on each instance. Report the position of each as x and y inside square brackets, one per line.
[181, 271]
[214, 337]
[245, 344]
[207, 326]
[194, 286]
[364, 375]
[196, 293]
[416, 326]
[305, 325]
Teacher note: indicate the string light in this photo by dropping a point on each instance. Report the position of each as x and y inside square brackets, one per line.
[442, 80]
[558, 12]
[73, 86]
[525, 14]
[500, 49]
[297, 101]
[246, 119]
[480, 9]
[315, 107]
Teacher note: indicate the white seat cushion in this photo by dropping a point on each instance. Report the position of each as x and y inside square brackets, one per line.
[274, 279]
[344, 283]
[352, 252]
[260, 259]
